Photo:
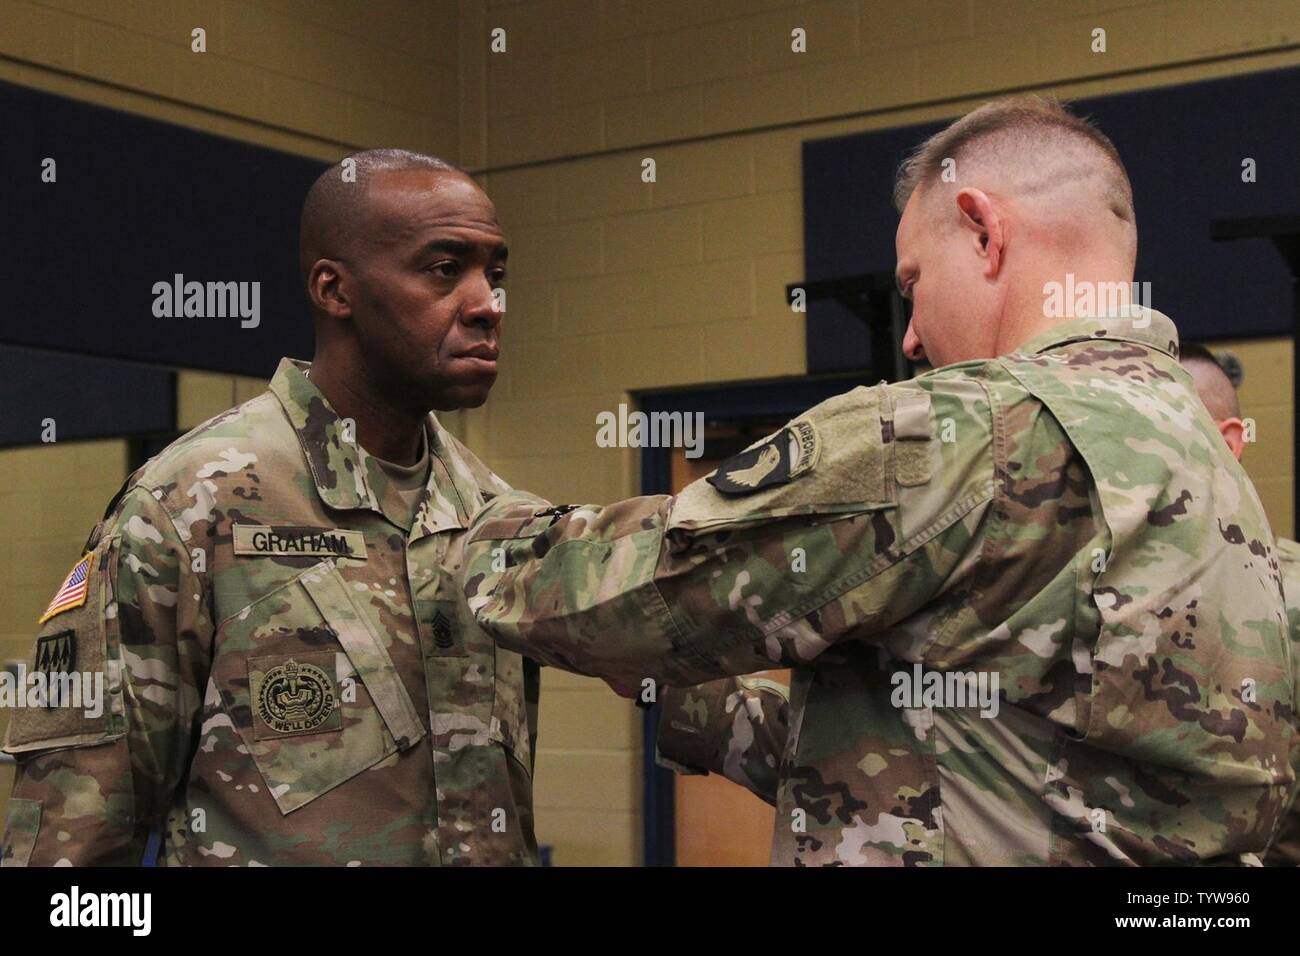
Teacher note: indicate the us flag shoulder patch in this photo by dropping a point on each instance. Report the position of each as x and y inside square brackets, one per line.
[72, 593]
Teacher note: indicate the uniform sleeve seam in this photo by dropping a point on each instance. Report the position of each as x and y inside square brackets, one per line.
[984, 490]
[959, 510]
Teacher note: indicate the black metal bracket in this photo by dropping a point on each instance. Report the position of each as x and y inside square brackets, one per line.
[874, 298]
[1283, 230]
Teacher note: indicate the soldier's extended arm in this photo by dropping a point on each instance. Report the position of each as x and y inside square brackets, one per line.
[90, 788]
[842, 524]
[735, 727]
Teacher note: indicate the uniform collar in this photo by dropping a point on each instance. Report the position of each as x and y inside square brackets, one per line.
[347, 476]
[1148, 327]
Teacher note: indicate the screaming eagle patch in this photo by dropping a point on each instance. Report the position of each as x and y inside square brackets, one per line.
[780, 459]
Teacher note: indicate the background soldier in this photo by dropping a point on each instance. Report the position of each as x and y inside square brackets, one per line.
[1051, 508]
[1218, 391]
[292, 672]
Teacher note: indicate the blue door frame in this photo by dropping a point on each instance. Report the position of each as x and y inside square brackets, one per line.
[783, 399]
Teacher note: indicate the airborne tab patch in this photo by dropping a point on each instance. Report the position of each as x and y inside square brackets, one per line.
[299, 542]
[783, 457]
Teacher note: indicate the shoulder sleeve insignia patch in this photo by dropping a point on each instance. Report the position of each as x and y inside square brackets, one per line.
[56, 654]
[72, 592]
[774, 461]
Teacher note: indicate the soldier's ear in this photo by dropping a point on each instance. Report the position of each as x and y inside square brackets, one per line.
[1234, 433]
[984, 227]
[327, 288]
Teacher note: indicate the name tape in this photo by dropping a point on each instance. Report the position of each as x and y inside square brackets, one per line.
[302, 542]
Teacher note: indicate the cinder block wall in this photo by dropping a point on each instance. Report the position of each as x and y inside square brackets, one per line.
[310, 76]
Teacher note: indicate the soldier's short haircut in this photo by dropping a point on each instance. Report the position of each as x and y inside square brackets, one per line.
[1051, 143]
[1218, 386]
[331, 211]
[1228, 363]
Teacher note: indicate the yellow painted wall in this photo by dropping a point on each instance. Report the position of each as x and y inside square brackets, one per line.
[616, 284]
[317, 77]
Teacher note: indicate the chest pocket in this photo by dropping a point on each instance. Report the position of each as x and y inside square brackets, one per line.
[310, 687]
[479, 692]
[514, 707]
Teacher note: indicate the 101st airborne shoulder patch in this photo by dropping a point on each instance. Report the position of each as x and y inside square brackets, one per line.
[74, 589]
[778, 460]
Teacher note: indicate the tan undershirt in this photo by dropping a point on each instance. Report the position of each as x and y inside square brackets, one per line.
[405, 485]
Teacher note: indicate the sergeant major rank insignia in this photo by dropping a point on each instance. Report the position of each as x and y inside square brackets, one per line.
[775, 461]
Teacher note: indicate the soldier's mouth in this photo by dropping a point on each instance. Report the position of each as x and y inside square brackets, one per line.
[476, 364]
[481, 358]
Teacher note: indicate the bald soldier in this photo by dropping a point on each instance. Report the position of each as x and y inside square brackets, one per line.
[292, 675]
[1219, 394]
[1029, 598]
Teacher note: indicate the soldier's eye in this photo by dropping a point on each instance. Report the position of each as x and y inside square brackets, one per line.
[447, 268]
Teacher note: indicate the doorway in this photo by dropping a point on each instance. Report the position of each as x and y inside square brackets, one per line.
[708, 820]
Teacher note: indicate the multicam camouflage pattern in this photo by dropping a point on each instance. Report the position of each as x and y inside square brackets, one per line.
[1065, 518]
[334, 706]
[736, 727]
[1285, 849]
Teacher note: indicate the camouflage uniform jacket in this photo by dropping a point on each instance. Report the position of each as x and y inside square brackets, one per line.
[735, 727]
[1285, 850]
[1064, 519]
[293, 676]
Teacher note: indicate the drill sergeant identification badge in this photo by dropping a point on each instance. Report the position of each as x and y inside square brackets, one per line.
[294, 697]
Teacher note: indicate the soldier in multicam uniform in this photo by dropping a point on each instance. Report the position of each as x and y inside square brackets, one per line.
[737, 726]
[1217, 389]
[294, 675]
[1051, 507]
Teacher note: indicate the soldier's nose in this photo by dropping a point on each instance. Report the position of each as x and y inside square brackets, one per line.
[912, 346]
